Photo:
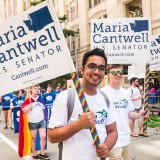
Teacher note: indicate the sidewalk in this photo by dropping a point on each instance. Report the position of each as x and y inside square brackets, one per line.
[146, 148]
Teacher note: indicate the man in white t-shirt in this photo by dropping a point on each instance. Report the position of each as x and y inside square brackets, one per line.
[123, 105]
[136, 98]
[75, 133]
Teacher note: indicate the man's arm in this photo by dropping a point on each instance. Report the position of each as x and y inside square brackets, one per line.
[134, 115]
[112, 135]
[60, 134]
[136, 98]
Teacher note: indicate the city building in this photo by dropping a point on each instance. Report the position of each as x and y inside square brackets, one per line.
[80, 12]
[9, 8]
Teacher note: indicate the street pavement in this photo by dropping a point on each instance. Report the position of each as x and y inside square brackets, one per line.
[142, 148]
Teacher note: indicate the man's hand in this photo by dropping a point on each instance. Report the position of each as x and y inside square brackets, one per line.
[102, 150]
[87, 120]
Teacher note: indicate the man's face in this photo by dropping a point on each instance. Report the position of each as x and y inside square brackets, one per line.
[91, 74]
[35, 90]
[136, 82]
[49, 89]
[115, 75]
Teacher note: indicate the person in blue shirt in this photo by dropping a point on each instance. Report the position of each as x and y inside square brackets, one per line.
[16, 103]
[57, 91]
[5, 102]
[18, 99]
[49, 97]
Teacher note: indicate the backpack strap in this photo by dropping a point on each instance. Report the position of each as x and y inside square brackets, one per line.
[70, 101]
[131, 91]
[70, 106]
[60, 146]
[106, 98]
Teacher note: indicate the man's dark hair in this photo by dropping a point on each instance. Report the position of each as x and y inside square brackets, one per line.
[133, 79]
[94, 52]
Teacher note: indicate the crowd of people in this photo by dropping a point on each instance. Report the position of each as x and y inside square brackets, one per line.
[112, 110]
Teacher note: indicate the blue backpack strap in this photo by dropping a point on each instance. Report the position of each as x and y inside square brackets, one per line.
[105, 98]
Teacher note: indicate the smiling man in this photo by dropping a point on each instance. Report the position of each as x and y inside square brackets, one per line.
[75, 134]
[122, 103]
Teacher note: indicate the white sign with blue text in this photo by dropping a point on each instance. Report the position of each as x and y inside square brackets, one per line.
[125, 40]
[32, 49]
[155, 53]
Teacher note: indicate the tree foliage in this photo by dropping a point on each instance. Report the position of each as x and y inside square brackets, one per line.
[35, 2]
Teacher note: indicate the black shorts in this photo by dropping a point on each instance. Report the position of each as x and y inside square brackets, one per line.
[137, 110]
[6, 108]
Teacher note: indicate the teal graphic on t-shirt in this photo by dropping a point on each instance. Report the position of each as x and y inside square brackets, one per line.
[121, 104]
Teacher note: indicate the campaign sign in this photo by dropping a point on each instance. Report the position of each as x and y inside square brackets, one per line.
[125, 40]
[32, 49]
[155, 53]
[133, 71]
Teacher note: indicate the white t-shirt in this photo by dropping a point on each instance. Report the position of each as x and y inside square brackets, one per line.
[123, 105]
[133, 93]
[36, 115]
[80, 145]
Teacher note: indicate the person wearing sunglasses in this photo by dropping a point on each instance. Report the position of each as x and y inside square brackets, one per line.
[75, 134]
[136, 97]
[122, 103]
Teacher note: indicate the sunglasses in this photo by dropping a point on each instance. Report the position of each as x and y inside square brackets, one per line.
[93, 67]
[115, 73]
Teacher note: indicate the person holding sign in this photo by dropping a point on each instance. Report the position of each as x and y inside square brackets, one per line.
[33, 107]
[73, 129]
[123, 106]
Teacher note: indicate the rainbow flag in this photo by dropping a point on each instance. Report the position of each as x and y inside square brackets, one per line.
[24, 146]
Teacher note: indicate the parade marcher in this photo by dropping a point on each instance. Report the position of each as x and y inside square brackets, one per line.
[49, 97]
[33, 107]
[57, 91]
[5, 103]
[136, 98]
[18, 99]
[122, 103]
[15, 105]
[75, 134]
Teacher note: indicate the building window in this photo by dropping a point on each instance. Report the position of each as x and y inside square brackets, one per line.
[105, 16]
[96, 2]
[78, 45]
[73, 44]
[77, 9]
[90, 4]
[67, 13]
[24, 6]
[72, 12]
[9, 9]
[134, 9]
[15, 7]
